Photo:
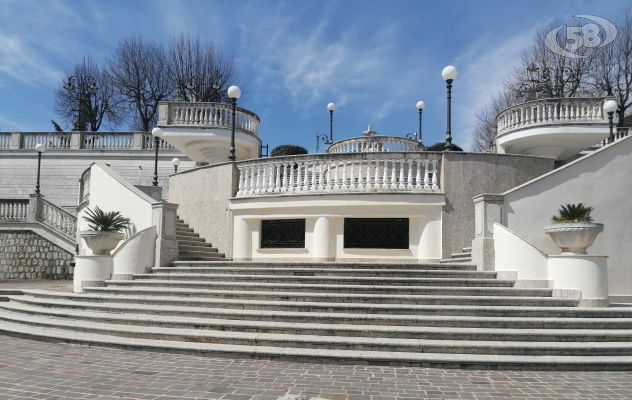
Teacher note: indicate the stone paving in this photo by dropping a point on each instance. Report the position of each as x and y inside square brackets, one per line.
[39, 370]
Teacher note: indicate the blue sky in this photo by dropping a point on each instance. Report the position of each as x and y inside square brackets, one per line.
[374, 59]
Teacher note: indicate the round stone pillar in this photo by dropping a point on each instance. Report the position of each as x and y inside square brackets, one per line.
[242, 240]
[323, 246]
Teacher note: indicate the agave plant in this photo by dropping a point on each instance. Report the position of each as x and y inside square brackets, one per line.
[111, 221]
[573, 213]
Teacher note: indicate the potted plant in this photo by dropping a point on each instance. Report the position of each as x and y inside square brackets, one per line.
[572, 229]
[105, 230]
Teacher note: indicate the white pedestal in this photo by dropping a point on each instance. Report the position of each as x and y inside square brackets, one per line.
[91, 271]
[587, 273]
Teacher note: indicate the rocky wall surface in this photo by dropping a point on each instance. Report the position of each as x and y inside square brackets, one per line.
[26, 255]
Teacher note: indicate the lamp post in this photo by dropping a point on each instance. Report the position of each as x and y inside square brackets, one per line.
[331, 107]
[175, 162]
[155, 132]
[609, 107]
[39, 148]
[233, 93]
[449, 75]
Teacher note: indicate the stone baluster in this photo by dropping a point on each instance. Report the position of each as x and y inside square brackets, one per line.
[426, 174]
[359, 184]
[285, 184]
[290, 187]
[336, 165]
[277, 178]
[241, 180]
[252, 187]
[305, 176]
[258, 183]
[321, 172]
[376, 174]
[418, 176]
[402, 175]
[385, 175]
[409, 184]
[344, 175]
[435, 171]
[393, 185]
[314, 177]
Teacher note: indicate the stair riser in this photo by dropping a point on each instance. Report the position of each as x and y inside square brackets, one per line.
[330, 280]
[185, 265]
[204, 248]
[351, 345]
[403, 290]
[359, 274]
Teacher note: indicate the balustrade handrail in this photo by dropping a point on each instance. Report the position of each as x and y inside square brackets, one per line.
[551, 111]
[207, 115]
[374, 144]
[326, 173]
[14, 210]
[56, 217]
[75, 140]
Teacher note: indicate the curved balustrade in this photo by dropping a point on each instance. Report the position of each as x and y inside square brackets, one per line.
[14, 210]
[209, 115]
[327, 174]
[551, 111]
[370, 144]
[108, 141]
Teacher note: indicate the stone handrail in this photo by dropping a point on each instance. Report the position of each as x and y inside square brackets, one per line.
[557, 111]
[369, 144]
[325, 173]
[207, 115]
[102, 141]
[56, 217]
[14, 210]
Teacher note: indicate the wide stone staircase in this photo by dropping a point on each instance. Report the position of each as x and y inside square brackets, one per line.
[446, 315]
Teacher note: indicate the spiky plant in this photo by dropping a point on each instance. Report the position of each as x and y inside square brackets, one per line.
[102, 221]
[573, 213]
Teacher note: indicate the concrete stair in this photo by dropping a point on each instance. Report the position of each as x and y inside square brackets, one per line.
[444, 314]
[465, 256]
[192, 247]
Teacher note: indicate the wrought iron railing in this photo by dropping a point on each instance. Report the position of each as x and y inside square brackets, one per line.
[369, 144]
[207, 115]
[326, 173]
[551, 112]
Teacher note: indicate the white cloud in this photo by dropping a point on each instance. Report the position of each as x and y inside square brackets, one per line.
[20, 61]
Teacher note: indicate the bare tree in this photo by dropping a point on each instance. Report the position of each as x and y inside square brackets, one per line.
[611, 69]
[86, 97]
[486, 127]
[199, 70]
[140, 74]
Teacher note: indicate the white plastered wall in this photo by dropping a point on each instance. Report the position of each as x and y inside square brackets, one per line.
[324, 225]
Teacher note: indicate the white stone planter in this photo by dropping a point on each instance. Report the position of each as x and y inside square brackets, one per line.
[574, 238]
[101, 243]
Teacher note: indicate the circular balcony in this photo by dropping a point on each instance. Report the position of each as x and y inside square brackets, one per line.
[202, 130]
[557, 128]
[372, 144]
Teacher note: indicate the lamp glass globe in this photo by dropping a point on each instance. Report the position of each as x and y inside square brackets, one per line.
[449, 73]
[234, 92]
[610, 106]
[420, 105]
[175, 161]
[40, 148]
[331, 106]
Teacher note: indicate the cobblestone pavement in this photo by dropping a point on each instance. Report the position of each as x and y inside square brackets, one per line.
[39, 370]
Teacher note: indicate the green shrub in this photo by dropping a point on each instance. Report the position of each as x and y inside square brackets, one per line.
[288, 150]
[441, 147]
[573, 213]
[111, 221]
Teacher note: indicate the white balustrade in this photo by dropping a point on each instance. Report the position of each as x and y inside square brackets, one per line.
[107, 141]
[551, 111]
[331, 175]
[372, 144]
[52, 140]
[5, 140]
[211, 115]
[14, 210]
[57, 217]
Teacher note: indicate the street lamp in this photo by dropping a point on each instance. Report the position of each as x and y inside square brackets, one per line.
[39, 148]
[420, 106]
[331, 107]
[609, 107]
[175, 162]
[233, 93]
[449, 75]
[155, 132]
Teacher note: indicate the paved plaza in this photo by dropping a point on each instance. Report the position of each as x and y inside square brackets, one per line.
[39, 370]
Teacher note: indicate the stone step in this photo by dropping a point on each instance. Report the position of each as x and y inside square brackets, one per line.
[467, 249]
[193, 241]
[334, 288]
[209, 266]
[326, 298]
[205, 257]
[343, 273]
[193, 254]
[185, 235]
[464, 260]
[446, 316]
[324, 279]
[463, 345]
[26, 330]
[197, 247]
[461, 255]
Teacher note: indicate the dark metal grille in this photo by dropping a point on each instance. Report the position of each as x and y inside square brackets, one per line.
[376, 233]
[282, 233]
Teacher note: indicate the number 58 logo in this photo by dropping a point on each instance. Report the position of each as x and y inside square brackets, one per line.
[588, 35]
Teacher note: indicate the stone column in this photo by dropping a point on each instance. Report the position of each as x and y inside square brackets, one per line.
[487, 211]
[242, 240]
[322, 247]
[164, 218]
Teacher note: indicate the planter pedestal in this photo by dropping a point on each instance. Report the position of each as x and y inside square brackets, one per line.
[587, 273]
[91, 271]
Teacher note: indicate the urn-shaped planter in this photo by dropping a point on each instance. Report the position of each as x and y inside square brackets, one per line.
[574, 238]
[101, 243]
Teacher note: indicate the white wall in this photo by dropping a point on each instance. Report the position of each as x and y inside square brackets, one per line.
[512, 253]
[602, 180]
[324, 224]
